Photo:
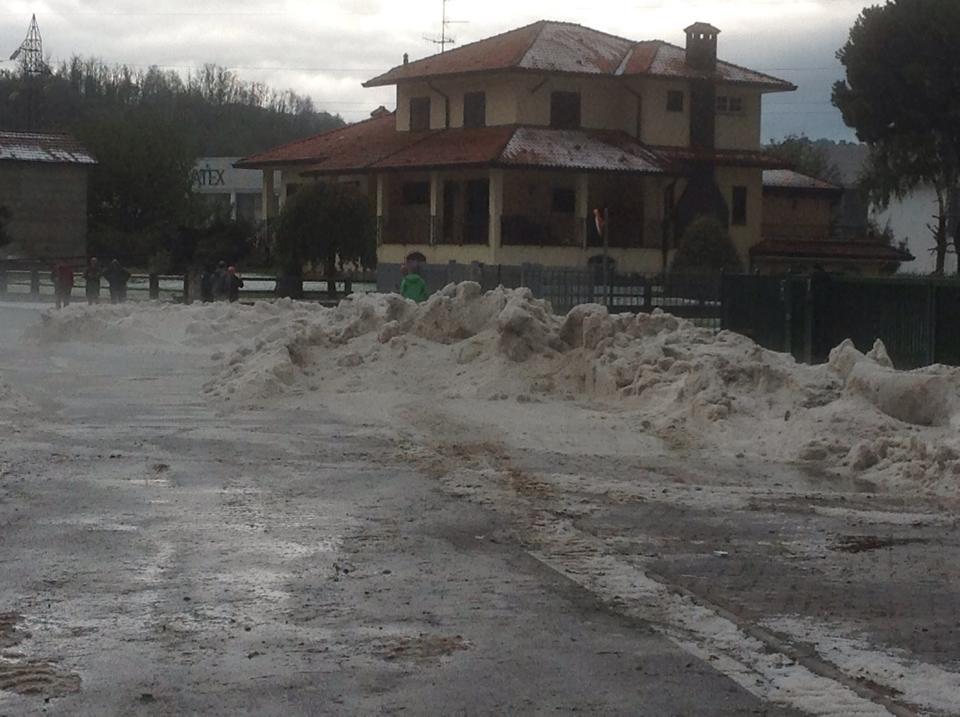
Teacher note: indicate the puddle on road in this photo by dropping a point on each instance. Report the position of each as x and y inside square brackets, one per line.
[421, 647]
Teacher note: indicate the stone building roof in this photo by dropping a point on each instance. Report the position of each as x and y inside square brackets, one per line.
[37, 147]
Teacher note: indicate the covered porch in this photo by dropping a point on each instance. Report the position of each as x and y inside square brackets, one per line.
[515, 216]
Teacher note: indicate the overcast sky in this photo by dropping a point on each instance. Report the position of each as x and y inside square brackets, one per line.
[326, 48]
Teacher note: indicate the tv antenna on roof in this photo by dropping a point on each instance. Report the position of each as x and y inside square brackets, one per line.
[30, 57]
[445, 23]
[30, 52]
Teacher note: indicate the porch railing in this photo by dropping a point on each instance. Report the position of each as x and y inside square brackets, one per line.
[473, 231]
[524, 230]
[406, 228]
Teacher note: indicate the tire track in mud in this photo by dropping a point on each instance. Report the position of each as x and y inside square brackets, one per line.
[29, 677]
[765, 664]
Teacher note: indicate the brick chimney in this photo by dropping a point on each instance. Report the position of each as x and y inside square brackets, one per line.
[702, 46]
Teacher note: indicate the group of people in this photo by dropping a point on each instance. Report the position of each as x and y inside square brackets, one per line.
[115, 275]
[221, 284]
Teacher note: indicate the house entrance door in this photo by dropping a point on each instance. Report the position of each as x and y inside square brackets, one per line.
[477, 211]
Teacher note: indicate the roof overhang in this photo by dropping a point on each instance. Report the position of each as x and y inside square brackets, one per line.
[851, 251]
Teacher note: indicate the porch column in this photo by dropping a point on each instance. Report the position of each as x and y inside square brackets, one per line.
[436, 200]
[381, 207]
[267, 197]
[582, 208]
[496, 213]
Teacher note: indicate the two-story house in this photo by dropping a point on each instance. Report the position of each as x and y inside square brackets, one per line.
[501, 151]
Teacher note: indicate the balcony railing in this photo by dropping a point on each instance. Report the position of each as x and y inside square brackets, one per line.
[406, 228]
[471, 231]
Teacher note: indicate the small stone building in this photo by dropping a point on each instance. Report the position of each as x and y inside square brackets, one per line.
[43, 184]
[804, 229]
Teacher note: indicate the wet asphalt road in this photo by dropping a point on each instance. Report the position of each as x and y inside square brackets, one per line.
[158, 557]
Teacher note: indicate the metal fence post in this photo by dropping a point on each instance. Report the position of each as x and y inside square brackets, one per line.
[35, 283]
[3, 282]
[931, 323]
[186, 288]
[786, 295]
[808, 323]
[154, 286]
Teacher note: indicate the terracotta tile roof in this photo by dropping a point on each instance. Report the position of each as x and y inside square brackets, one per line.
[34, 147]
[671, 61]
[375, 145]
[788, 179]
[547, 46]
[353, 146]
[853, 250]
[722, 157]
[452, 147]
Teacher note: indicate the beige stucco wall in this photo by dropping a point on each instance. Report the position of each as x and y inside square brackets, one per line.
[606, 103]
[501, 98]
[602, 100]
[48, 206]
[659, 126]
[408, 90]
[629, 260]
[744, 236]
[739, 130]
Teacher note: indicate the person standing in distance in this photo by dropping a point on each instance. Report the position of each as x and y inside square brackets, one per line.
[117, 277]
[91, 277]
[412, 286]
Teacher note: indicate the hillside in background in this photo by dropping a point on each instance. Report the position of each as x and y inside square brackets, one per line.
[147, 129]
[218, 113]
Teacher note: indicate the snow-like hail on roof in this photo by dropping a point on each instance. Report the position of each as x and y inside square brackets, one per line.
[789, 179]
[548, 46]
[375, 144]
[34, 147]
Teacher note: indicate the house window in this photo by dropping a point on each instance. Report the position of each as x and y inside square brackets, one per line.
[564, 200]
[475, 109]
[729, 105]
[738, 214]
[565, 110]
[415, 192]
[419, 114]
[674, 101]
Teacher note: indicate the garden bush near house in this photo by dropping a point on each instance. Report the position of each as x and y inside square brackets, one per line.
[705, 248]
[328, 224]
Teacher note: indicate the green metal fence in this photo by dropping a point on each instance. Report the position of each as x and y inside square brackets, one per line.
[917, 319]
